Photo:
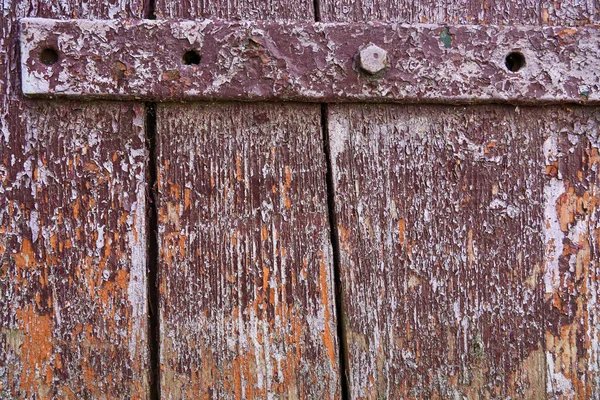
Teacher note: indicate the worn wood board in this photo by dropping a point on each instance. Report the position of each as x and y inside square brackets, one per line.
[472, 269]
[572, 244]
[310, 61]
[72, 232]
[550, 350]
[479, 12]
[245, 259]
[299, 10]
[246, 184]
[439, 213]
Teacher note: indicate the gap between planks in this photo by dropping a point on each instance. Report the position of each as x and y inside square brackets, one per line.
[334, 238]
[152, 238]
[153, 254]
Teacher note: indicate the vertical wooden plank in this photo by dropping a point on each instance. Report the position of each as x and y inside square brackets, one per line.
[247, 305]
[246, 285]
[72, 233]
[572, 236]
[439, 214]
[525, 12]
[566, 232]
[236, 9]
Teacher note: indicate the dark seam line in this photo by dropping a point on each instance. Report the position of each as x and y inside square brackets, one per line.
[152, 252]
[152, 242]
[317, 8]
[150, 12]
[334, 238]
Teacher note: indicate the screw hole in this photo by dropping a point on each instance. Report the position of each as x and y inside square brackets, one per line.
[49, 56]
[514, 61]
[191, 57]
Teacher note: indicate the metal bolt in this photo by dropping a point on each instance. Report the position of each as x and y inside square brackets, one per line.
[373, 59]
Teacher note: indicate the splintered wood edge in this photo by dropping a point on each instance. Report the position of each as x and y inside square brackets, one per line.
[313, 62]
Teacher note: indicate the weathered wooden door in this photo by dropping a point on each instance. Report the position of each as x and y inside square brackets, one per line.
[407, 245]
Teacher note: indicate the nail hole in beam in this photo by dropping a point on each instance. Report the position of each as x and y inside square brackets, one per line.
[49, 56]
[514, 61]
[191, 57]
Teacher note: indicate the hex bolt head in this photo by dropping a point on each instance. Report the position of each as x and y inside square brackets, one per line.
[373, 59]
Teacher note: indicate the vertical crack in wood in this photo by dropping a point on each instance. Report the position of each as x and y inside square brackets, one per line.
[150, 11]
[152, 249]
[152, 238]
[317, 9]
[334, 237]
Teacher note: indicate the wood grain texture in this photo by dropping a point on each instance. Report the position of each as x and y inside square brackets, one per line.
[247, 306]
[572, 238]
[439, 212]
[565, 360]
[246, 272]
[315, 62]
[525, 12]
[72, 233]
[236, 9]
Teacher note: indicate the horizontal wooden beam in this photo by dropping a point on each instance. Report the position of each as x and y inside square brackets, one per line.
[320, 62]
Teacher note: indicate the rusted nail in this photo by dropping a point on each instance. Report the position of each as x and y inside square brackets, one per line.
[373, 59]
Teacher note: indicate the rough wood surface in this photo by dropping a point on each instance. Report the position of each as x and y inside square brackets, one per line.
[549, 351]
[236, 9]
[72, 233]
[309, 61]
[572, 237]
[439, 212]
[246, 185]
[247, 306]
[526, 12]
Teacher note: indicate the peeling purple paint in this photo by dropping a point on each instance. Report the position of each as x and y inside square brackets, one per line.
[133, 59]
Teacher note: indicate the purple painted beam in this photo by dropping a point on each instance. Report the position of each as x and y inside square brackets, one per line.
[225, 60]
